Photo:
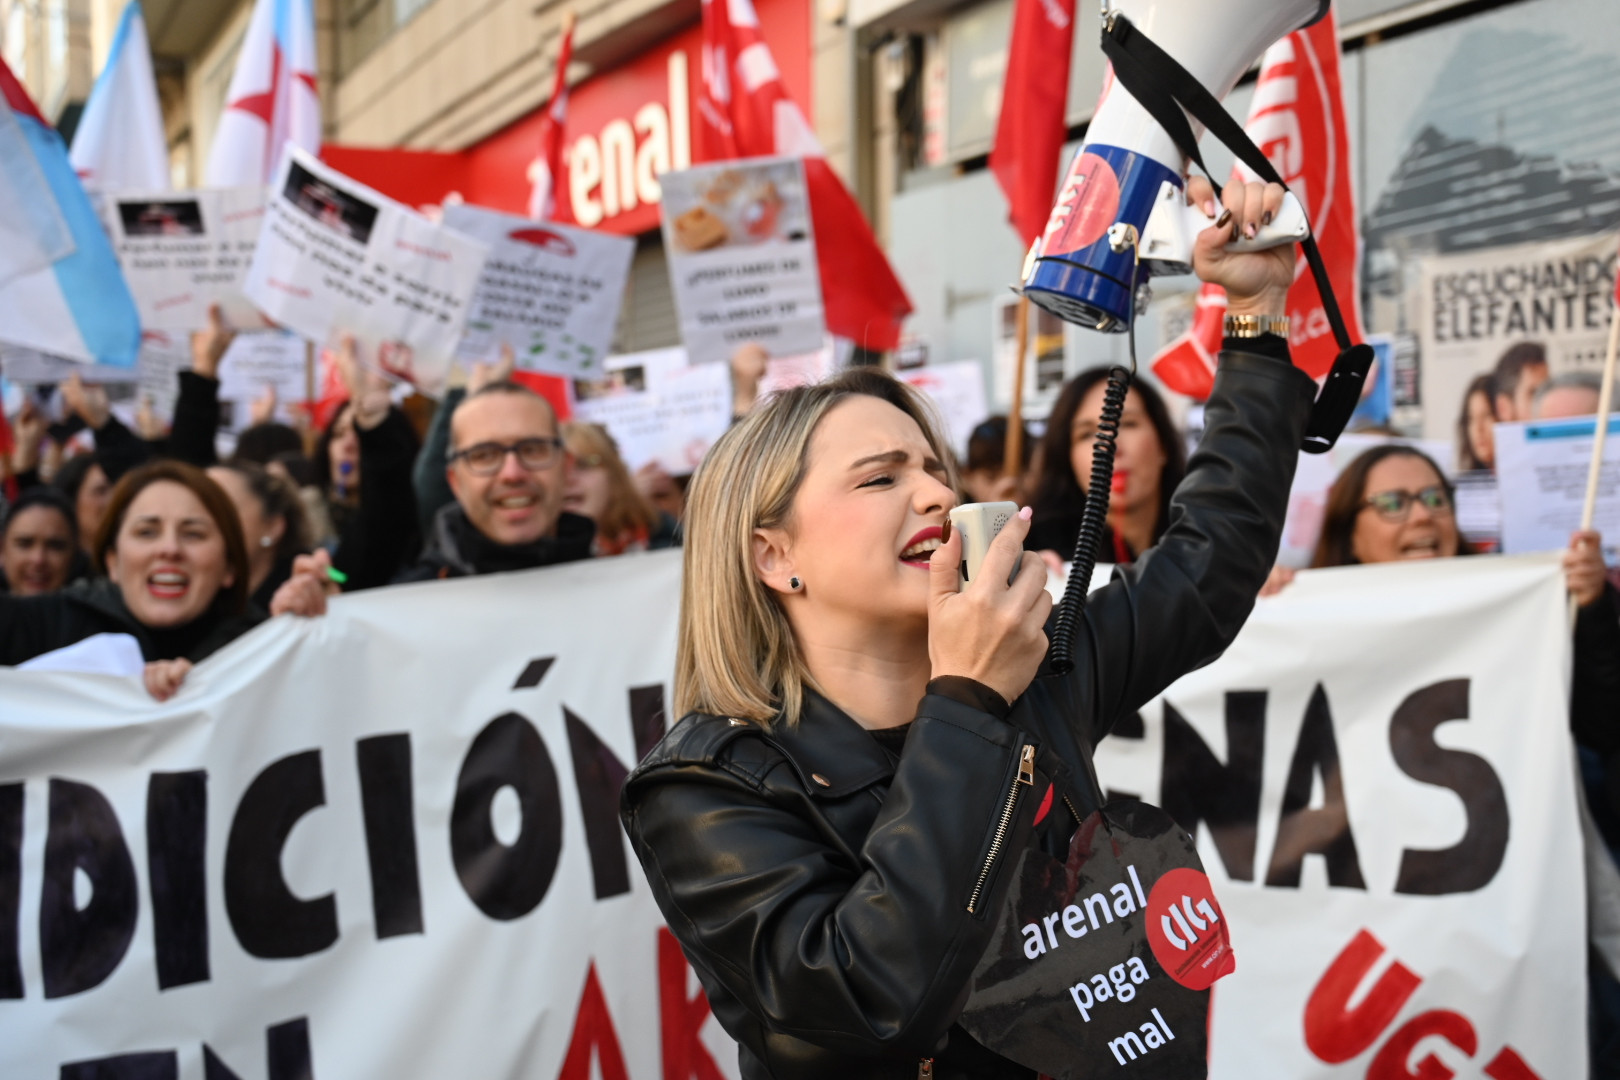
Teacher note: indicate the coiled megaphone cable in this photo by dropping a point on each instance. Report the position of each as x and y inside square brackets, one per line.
[1095, 514]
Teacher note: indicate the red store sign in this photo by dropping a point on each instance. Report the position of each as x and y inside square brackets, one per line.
[626, 127]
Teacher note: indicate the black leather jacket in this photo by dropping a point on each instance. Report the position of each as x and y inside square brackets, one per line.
[834, 899]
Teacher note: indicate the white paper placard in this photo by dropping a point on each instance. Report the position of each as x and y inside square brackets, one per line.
[551, 292]
[335, 256]
[184, 250]
[1541, 470]
[659, 408]
[742, 258]
[957, 391]
[271, 357]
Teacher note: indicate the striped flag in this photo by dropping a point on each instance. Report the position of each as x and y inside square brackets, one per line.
[548, 164]
[120, 144]
[61, 290]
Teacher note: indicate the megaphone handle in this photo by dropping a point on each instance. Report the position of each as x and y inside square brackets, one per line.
[1288, 227]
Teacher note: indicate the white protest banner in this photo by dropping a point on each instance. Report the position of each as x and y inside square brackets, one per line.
[1474, 306]
[385, 842]
[658, 407]
[1541, 470]
[184, 250]
[335, 255]
[1379, 768]
[742, 258]
[552, 292]
[254, 361]
[957, 391]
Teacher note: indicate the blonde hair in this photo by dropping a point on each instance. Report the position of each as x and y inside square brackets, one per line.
[627, 508]
[736, 655]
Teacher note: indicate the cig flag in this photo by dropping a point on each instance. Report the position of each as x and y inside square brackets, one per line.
[744, 111]
[120, 142]
[1297, 118]
[548, 163]
[272, 99]
[61, 290]
[1034, 101]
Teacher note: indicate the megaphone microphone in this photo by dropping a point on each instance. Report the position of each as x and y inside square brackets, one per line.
[1129, 170]
[1122, 215]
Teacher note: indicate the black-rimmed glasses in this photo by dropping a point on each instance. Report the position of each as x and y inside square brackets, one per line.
[486, 458]
[1396, 505]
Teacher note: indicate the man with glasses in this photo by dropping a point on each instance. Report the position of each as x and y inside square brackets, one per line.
[506, 466]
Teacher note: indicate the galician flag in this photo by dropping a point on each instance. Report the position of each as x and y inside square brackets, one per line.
[548, 163]
[61, 290]
[273, 98]
[120, 143]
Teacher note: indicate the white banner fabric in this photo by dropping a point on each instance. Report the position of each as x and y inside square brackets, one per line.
[399, 823]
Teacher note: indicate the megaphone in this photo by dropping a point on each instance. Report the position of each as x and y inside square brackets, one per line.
[1122, 201]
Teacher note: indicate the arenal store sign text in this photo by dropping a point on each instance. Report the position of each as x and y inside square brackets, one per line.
[616, 169]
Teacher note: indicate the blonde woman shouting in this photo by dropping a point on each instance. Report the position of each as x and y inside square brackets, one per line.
[826, 829]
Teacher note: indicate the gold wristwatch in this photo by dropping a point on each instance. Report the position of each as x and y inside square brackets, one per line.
[1252, 326]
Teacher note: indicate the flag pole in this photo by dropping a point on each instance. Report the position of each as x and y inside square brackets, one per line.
[309, 396]
[1013, 459]
[1605, 402]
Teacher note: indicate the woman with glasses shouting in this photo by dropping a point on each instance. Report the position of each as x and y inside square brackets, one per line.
[1393, 503]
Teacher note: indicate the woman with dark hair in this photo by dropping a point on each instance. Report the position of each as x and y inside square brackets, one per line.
[1392, 502]
[273, 524]
[176, 579]
[1149, 461]
[1476, 425]
[39, 544]
[82, 479]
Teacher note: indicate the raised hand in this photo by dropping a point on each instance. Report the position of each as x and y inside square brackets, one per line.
[1584, 571]
[1256, 282]
[87, 400]
[263, 409]
[305, 592]
[208, 346]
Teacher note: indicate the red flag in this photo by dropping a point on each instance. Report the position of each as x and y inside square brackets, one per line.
[743, 111]
[1034, 104]
[1297, 118]
[547, 165]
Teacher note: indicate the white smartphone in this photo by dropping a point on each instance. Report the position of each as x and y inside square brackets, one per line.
[979, 523]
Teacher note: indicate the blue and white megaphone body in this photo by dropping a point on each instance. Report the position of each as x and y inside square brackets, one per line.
[1127, 177]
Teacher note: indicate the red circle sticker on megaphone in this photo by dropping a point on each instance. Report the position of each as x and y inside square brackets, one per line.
[1187, 931]
[1086, 208]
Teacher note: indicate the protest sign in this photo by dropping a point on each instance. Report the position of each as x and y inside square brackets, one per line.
[957, 391]
[335, 256]
[742, 258]
[255, 361]
[1474, 306]
[551, 292]
[31, 367]
[658, 407]
[1541, 470]
[184, 250]
[314, 840]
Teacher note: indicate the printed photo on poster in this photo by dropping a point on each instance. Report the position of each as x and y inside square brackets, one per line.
[330, 204]
[742, 258]
[177, 217]
[658, 407]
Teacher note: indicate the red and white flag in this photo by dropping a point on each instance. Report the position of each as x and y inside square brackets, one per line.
[1034, 109]
[1297, 119]
[272, 100]
[744, 111]
[547, 165]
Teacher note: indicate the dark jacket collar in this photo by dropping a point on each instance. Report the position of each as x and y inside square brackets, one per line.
[456, 543]
[827, 742]
[200, 638]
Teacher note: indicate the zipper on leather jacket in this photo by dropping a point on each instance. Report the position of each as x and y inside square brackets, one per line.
[1026, 778]
[925, 1069]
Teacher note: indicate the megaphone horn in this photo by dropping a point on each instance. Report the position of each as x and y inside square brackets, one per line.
[1128, 172]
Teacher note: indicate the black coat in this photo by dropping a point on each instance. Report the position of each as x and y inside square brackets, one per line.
[822, 888]
[455, 548]
[32, 625]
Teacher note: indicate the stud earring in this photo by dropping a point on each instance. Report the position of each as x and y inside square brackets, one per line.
[795, 584]
[265, 541]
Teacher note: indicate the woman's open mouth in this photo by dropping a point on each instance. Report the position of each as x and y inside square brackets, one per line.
[168, 584]
[919, 550]
[1423, 547]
